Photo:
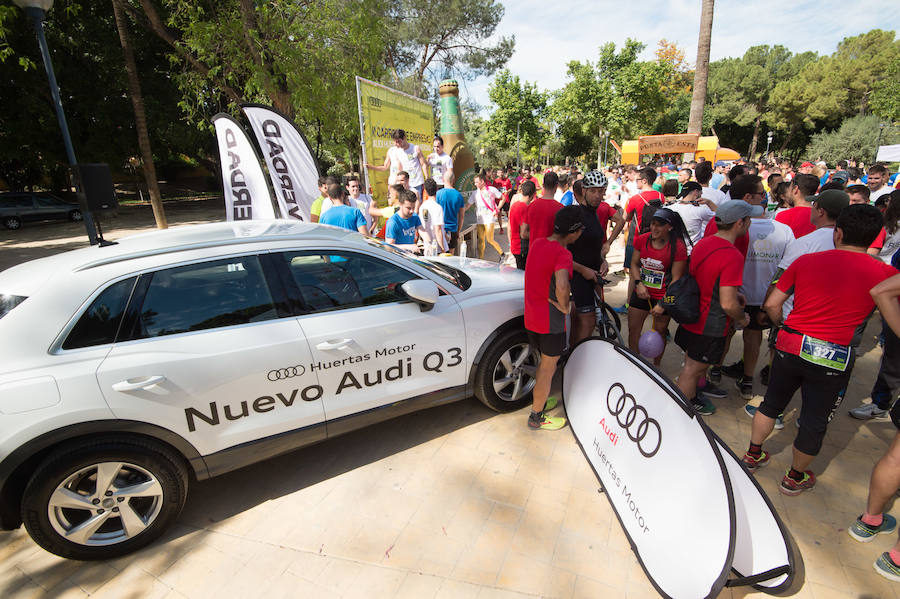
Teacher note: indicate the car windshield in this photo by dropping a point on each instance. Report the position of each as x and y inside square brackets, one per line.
[8, 302]
[448, 273]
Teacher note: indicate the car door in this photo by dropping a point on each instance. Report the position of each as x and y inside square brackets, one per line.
[210, 353]
[371, 345]
[26, 209]
[51, 208]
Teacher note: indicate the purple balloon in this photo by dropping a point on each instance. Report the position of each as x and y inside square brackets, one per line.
[651, 344]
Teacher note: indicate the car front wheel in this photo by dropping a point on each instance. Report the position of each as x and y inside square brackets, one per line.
[12, 222]
[103, 499]
[506, 374]
[75, 216]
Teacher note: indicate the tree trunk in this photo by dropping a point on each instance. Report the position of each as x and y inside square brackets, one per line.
[140, 117]
[701, 73]
[754, 141]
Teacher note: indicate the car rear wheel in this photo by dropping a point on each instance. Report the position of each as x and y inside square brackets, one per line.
[100, 500]
[75, 216]
[12, 222]
[506, 375]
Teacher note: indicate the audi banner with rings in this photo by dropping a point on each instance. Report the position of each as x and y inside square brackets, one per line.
[696, 519]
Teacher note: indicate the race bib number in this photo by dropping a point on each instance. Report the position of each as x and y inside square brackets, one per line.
[825, 353]
[652, 279]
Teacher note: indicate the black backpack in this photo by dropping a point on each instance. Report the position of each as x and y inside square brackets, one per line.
[682, 298]
[650, 208]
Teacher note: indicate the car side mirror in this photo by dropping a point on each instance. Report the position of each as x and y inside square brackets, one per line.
[422, 291]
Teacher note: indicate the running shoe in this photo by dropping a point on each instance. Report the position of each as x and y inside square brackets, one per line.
[744, 384]
[864, 533]
[623, 309]
[714, 375]
[735, 370]
[755, 463]
[792, 487]
[751, 412]
[870, 411]
[885, 566]
[710, 391]
[551, 403]
[703, 406]
[764, 375]
[547, 423]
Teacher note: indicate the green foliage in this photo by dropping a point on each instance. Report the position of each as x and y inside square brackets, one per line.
[885, 99]
[516, 104]
[855, 139]
[863, 62]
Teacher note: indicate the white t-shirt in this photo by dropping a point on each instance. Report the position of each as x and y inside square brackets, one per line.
[406, 160]
[713, 194]
[769, 240]
[485, 201]
[695, 218]
[558, 195]
[362, 202]
[890, 247]
[820, 240]
[885, 189]
[439, 164]
[432, 216]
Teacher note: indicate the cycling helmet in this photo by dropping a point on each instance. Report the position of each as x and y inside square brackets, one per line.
[593, 179]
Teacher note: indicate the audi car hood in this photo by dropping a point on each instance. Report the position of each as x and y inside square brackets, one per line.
[488, 277]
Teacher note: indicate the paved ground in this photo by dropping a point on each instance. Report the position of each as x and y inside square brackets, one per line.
[453, 502]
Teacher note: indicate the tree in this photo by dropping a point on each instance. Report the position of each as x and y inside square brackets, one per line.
[701, 72]
[854, 139]
[886, 94]
[864, 61]
[518, 108]
[429, 41]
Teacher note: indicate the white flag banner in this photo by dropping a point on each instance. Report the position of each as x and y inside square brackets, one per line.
[247, 195]
[292, 167]
[693, 515]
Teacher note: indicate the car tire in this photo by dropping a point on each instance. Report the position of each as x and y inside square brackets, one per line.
[506, 374]
[65, 513]
[75, 216]
[12, 222]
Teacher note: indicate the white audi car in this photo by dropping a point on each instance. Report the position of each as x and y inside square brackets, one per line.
[127, 371]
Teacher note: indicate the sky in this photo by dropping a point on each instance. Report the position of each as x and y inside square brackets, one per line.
[549, 34]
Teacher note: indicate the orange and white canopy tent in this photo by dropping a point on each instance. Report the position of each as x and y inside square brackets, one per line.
[706, 147]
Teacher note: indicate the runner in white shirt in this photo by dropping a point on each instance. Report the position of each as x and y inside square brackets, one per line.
[359, 200]
[439, 162]
[432, 215]
[486, 212]
[695, 211]
[403, 156]
[703, 173]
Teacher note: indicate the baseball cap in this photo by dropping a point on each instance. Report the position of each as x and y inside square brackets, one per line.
[665, 215]
[721, 163]
[806, 164]
[735, 210]
[840, 176]
[567, 220]
[832, 201]
[688, 188]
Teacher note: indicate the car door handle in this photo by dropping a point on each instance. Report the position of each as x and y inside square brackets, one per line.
[335, 344]
[142, 382]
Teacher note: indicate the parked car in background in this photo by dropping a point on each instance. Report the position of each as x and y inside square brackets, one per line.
[18, 207]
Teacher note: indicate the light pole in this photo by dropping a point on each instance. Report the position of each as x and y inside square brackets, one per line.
[35, 10]
[606, 150]
[769, 138]
[878, 142]
[600, 146]
[481, 153]
[518, 167]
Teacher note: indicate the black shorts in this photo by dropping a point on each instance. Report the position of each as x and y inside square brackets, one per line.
[702, 348]
[755, 313]
[583, 294]
[549, 344]
[520, 261]
[453, 243]
[821, 390]
[641, 304]
[629, 252]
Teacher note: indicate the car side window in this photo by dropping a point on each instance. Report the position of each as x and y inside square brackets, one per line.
[338, 280]
[24, 202]
[204, 296]
[100, 322]
[47, 202]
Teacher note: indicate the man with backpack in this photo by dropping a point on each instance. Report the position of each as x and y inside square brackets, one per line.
[644, 203]
[717, 267]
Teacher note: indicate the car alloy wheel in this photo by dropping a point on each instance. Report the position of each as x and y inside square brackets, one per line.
[75, 216]
[515, 372]
[12, 222]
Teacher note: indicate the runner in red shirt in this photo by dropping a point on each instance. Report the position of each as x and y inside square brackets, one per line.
[547, 290]
[718, 268]
[815, 346]
[742, 243]
[803, 189]
[516, 224]
[634, 209]
[605, 214]
[540, 214]
[660, 257]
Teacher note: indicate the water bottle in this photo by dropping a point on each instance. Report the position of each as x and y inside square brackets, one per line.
[463, 249]
[433, 247]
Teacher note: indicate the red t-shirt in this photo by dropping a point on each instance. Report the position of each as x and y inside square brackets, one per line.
[742, 243]
[879, 241]
[544, 258]
[516, 217]
[504, 185]
[715, 263]
[824, 308]
[604, 213]
[539, 217]
[655, 264]
[637, 202]
[797, 218]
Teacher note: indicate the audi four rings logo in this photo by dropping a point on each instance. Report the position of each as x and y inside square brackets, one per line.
[286, 373]
[634, 418]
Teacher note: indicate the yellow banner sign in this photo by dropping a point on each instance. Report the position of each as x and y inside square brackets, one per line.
[668, 144]
[381, 111]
